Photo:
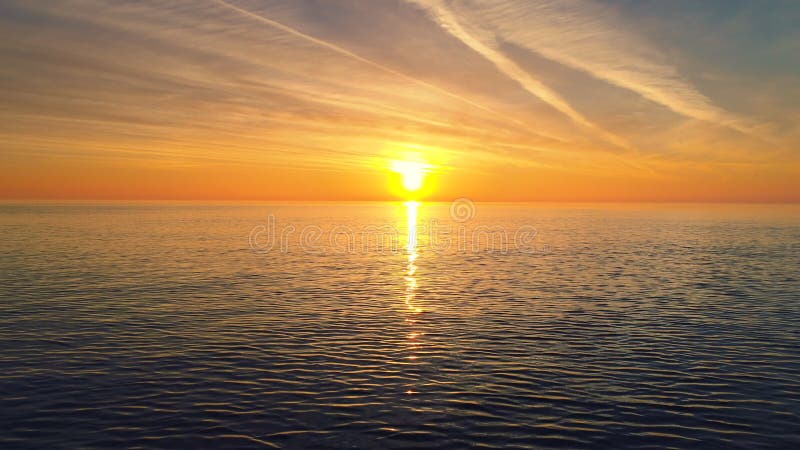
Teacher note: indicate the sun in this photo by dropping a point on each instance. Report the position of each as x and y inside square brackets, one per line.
[412, 174]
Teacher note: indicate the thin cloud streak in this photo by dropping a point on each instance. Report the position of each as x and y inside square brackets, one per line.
[487, 47]
[350, 54]
[587, 37]
[326, 109]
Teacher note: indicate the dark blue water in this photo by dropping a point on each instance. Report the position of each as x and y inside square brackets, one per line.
[159, 326]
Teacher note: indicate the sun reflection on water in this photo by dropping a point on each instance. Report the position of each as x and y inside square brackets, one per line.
[414, 334]
[411, 251]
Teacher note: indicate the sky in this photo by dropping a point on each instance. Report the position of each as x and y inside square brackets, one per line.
[499, 100]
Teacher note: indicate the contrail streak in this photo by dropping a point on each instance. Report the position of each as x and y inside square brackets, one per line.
[449, 22]
[348, 53]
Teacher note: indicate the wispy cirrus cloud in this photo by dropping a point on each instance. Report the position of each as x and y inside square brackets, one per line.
[342, 51]
[579, 34]
[481, 40]
[225, 66]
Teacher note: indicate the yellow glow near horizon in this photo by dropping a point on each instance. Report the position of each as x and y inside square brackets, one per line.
[412, 174]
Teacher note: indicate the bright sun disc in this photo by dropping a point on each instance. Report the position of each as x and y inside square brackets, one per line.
[412, 174]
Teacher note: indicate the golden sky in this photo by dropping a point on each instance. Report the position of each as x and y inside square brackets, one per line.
[307, 99]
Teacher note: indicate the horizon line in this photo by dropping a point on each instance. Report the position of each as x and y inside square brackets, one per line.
[392, 200]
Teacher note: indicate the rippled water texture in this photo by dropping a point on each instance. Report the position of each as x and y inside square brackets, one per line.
[617, 327]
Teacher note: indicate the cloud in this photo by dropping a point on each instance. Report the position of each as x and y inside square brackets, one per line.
[349, 54]
[581, 35]
[482, 41]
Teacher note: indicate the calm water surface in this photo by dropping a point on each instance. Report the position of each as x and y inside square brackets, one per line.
[159, 326]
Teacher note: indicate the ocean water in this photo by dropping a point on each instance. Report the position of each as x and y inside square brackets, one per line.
[391, 325]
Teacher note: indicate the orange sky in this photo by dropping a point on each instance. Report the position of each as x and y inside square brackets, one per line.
[504, 100]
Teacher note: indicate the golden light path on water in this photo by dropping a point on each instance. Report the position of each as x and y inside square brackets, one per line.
[411, 282]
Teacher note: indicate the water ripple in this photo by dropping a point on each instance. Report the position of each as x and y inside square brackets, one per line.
[156, 327]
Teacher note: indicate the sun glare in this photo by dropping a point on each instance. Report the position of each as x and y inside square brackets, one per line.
[411, 173]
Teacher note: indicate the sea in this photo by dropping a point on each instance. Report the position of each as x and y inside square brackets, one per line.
[425, 325]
